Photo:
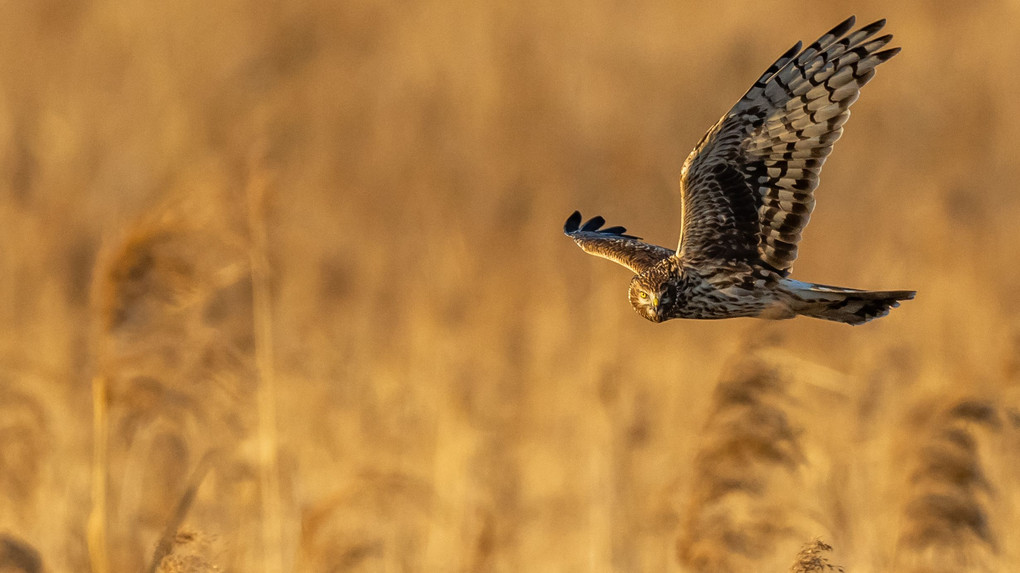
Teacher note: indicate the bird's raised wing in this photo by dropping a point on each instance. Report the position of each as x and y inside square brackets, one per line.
[611, 243]
[747, 188]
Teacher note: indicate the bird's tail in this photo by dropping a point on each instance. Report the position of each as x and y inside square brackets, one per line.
[846, 305]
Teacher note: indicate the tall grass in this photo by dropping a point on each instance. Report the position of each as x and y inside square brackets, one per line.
[323, 240]
[175, 377]
[761, 473]
[262, 322]
[949, 520]
[18, 556]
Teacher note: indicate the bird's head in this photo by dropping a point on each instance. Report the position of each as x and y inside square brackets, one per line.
[653, 296]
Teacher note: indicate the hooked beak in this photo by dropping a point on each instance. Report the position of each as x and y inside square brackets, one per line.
[657, 316]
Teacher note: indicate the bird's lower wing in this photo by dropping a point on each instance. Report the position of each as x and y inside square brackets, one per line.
[614, 244]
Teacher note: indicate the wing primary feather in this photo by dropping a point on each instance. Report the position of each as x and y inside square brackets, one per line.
[617, 230]
[832, 35]
[885, 54]
[825, 41]
[779, 64]
[866, 32]
[573, 223]
[594, 223]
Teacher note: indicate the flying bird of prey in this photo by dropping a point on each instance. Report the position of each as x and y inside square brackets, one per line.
[747, 193]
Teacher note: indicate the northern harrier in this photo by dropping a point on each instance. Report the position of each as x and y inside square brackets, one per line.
[747, 193]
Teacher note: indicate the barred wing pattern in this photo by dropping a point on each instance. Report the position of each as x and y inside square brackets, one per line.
[612, 243]
[747, 188]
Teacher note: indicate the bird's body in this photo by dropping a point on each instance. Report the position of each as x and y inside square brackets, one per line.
[747, 193]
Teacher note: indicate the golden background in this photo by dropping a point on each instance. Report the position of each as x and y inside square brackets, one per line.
[321, 243]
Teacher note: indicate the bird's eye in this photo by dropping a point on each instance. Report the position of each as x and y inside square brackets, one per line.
[643, 295]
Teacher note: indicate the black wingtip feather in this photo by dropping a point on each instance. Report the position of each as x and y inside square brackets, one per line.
[791, 52]
[843, 27]
[882, 39]
[594, 225]
[573, 223]
[885, 55]
[875, 26]
[617, 230]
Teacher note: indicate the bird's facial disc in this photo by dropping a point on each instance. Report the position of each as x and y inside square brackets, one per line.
[649, 301]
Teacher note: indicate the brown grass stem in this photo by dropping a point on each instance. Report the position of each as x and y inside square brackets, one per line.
[166, 541]
[97, 523]
[272, 509]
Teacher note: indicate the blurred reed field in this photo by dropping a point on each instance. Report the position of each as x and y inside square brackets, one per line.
[284, 289]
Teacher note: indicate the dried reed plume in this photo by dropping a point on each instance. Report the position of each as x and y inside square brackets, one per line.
[175, 372]
[24, 426]
[763, 475]
[16, 556]
[189, 552]
[373, 521]
[812, 559]
[750, 446]
[946, 523]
